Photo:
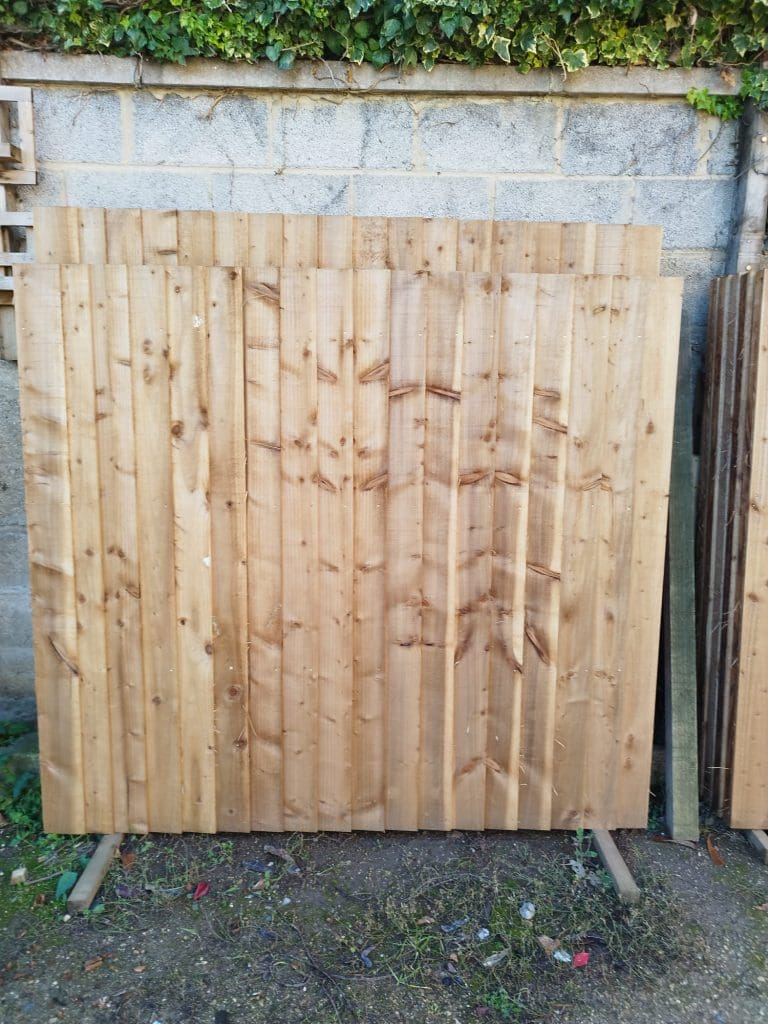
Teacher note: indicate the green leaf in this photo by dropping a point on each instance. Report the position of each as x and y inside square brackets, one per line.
[390, 28]
[287, 58]
[273, 51]
[501, 48]
[65, 885]
[574, 60]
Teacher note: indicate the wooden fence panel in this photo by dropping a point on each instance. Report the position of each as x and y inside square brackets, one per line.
[389, 545]
[72, 235]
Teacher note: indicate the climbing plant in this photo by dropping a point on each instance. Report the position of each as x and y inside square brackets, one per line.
[527, 33]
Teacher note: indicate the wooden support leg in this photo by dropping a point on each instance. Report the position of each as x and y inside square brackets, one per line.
[758, 840]
[87, 885]
[626, 887]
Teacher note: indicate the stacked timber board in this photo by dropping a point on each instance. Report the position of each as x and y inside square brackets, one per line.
[345, 548]
[732, 557]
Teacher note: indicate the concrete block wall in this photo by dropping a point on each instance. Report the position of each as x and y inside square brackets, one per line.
[617, 147]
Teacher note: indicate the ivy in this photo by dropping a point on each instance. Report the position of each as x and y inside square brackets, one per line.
[526, 33]
[754, 86]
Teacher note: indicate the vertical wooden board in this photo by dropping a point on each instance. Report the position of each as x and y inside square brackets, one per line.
[300, 241]
[150, 369]
[514, 408]
[231, 240]
[57, 234]
[580, 672]
[474, 552]
[93, 234]
[544, 242]
[642, 251]
[335, 470]
[610, 253]
[117, 468]
[160, 235]
[334, 243]
[371, 411]
[226, 389]
[298, 398]
[749, 764]
[473, 247]
[578, 247]
[405, 474]
[187, 304]
[195, 238]
[405, 243]
[638, 657]
[510, 249]
[265, 239]
[555, 300]
[441, 495]
[440, 244]
[42, 382]
[87, 547]
[261, 313]
[124, 237]
[370, 243]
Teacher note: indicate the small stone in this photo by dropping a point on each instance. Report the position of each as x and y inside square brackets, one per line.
[19, 876]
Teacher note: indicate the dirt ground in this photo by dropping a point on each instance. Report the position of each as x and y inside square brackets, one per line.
[370, 928]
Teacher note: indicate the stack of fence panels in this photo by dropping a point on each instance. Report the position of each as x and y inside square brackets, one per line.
[732, 561]
[362, 528]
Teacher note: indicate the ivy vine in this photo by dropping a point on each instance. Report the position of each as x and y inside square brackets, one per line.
[527, 33]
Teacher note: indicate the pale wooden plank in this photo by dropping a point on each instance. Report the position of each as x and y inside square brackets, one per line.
[439, 547]
[473, 246]
[195, 238]
[265, 619]
[57, 234]
[405, 243]
[117, 462]
[514, 408]
[637, 666]
[371, 412]
[334, 242]
[298, 396]
[150, 370]
[93, 234]
[187, 305]
[749, 763]
[544, 241]
[226, 388]
[440, 244]
[89, 883]
[265, 240]
[370, 243]
[578, 248]
[758, 840]
[626, 887]
[160, 236]
[51, 563]
[124, 237]
[510, 251]
[475, 546]
[554, 301]
[231, 240]
[335, 471]
[87, 546]
[300, 241]
[408, 327]
[581, 664]
[642, 251]
[611, 247]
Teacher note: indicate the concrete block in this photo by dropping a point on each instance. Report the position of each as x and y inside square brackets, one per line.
[698, 269]
[14, 568]
[282, 193]
[630, 138]
[351, 133]
[158, 190]
[721, 146]
[694, 214]
[17, 668]
[422, 196]
[494, 135]
[49, 190]
[564, 199]
[200, 130]
[77, 125]
[11, 467]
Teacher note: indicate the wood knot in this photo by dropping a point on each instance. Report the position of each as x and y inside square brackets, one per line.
[177, 429]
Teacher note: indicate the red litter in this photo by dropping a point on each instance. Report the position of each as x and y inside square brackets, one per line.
[201, 890]
[580, 959]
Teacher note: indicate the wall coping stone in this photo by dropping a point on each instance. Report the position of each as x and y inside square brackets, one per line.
[37, 67]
